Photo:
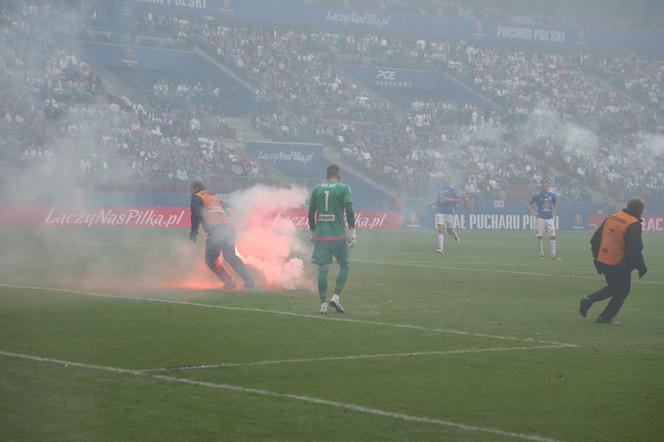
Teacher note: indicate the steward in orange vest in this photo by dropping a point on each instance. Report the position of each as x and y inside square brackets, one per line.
[617, 242]
[207, 210]
[616, 247]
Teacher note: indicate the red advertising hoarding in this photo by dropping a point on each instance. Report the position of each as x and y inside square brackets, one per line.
[158, 217]
[651, 223]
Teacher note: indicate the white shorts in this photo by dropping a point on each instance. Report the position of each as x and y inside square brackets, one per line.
[446, 219]
[545, 227]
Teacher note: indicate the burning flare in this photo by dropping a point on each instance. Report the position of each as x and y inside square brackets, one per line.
[266, 241]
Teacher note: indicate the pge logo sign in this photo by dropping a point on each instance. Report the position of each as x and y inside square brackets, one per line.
[386, 75]
[391, 79]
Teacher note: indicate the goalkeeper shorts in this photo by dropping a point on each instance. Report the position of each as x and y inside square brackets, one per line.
[325, 250]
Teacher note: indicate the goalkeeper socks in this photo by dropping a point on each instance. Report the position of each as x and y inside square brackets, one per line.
[322, 284]
[441, 241]
[552, 247]
[540, 242]
[341, 280]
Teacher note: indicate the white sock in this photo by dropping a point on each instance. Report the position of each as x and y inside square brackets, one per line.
[540, 242]
[441, 240]
[552, 247]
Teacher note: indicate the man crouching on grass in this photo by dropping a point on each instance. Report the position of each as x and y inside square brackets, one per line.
[206, 210]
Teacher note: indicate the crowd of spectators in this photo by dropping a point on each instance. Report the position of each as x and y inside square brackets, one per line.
[296, 67]
[56, 117]
[290, 67]
[640, 76]
[407, 144]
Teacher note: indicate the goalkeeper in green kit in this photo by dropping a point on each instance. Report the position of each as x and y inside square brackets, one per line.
[329, 200]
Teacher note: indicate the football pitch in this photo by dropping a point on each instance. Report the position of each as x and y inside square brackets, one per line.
[108, 335]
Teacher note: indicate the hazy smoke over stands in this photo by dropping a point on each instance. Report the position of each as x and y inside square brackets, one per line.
[545, 123]
[68, 137]
[653, 142]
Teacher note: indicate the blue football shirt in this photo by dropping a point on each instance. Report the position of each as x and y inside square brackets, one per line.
[443, 206]
[544, 202]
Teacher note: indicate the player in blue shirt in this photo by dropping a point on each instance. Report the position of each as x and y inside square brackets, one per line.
[543, 206]
[445, 204]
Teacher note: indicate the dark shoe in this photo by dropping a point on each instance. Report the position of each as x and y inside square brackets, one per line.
[249, 285]
[584, 305]
[601, 320]
[230, 285]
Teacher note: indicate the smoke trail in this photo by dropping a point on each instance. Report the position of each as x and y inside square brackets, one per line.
[268, 241]
[654, 143]
[579, 140]
[573, 138]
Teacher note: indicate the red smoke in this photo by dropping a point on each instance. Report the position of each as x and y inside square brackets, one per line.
[267, 242]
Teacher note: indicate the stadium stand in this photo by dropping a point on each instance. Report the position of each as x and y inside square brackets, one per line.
[588, 122]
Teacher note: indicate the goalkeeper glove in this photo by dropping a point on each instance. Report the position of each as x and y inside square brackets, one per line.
[642, 271]
[352, 238]
[193, 237]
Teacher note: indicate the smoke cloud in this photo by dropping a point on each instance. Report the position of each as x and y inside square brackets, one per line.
[544, 122]
[65, 147]
[654, 143]
[579, 140]
[268, 241]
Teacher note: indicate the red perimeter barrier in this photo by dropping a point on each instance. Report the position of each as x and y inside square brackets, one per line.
[158, 217]
[651, 223]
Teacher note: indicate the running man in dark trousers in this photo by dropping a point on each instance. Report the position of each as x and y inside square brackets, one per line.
[329, 200]
[616, 248]
[206, 210]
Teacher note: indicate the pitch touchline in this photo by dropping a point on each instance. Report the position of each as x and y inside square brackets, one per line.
[483, 270]
[301, 398]
[348, 358]
[284, 313]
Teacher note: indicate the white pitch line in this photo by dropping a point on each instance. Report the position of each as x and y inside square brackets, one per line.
[349, 358]
[483, 270]
[293, 314]
[302, 398]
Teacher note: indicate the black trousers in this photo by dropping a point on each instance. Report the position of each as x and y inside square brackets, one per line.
[617, 288]
[221, 240]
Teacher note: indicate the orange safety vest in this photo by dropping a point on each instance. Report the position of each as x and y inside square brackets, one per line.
[612, 247]
[212, 208]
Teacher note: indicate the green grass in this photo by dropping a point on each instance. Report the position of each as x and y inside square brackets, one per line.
[609, 387]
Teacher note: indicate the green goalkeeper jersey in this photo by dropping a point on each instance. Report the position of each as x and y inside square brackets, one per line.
[328, 199]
